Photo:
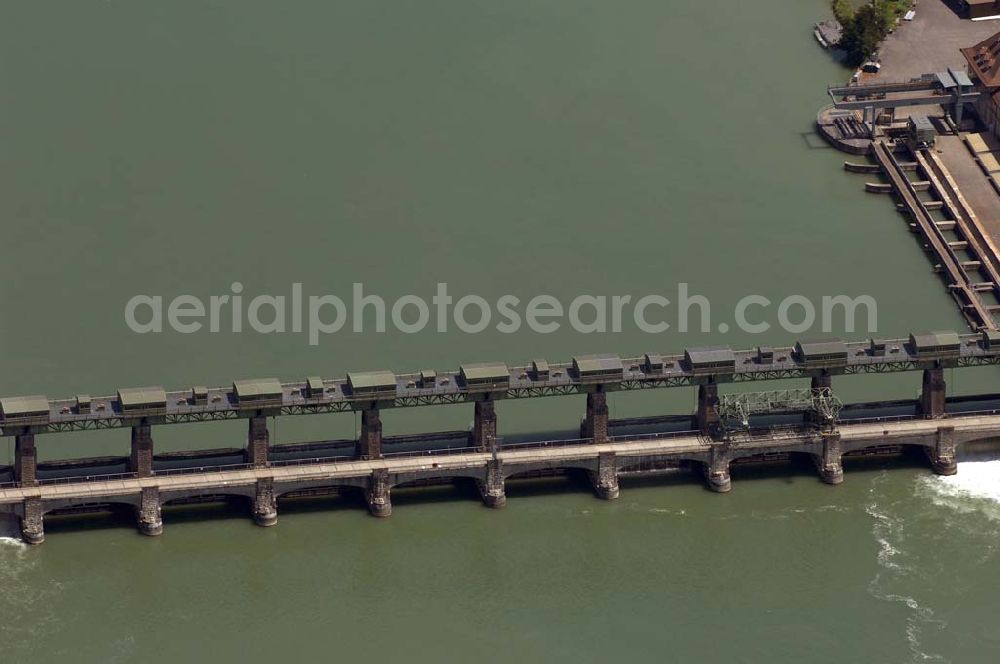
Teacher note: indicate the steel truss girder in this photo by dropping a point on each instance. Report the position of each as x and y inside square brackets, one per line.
[738, 408]
[774, 374]
[888, 367]
[552, 391]
[646, 384]
[428, 400]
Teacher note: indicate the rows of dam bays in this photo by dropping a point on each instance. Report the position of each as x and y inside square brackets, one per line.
[521, 148]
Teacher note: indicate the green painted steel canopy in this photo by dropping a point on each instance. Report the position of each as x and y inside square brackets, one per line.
[371, 381]
[485, 372]
[257, 389]
[824, 349]
[601, 364]
[36, 404]
[705, 357]
[935, 341]
[142, 397]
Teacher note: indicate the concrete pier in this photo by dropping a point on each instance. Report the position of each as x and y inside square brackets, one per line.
[829, 463]
[707, 416]
[595, 423]
[822, 380]
[605, 480]
[377, 494]
[25, 460]
[942, 453]
[258, 441]
[717, 469]
[932, 396]
[484, 429]
[32, 527]
[141, 456]
[265, 505]
[148, 512]
[492, 487]
[370, 442]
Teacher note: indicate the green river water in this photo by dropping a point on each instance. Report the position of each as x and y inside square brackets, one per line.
[524, 148]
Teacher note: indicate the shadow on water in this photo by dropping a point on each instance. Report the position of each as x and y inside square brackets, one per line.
[558, 482]
[338, 500]
[112, 517]
[461, 489]
[679, 477]
[223, 507]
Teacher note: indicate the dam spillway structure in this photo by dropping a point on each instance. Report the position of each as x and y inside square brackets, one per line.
[723, 429]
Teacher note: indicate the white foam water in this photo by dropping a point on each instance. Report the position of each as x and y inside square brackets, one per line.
[888, 532]
[15, 543]
[975, 488]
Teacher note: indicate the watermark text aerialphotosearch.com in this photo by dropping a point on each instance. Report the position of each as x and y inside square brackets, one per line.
[319, 315]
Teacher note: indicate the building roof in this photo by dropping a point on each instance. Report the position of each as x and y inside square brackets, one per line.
[710, 356]
[138, 397]
[485, 371]
[984, 60]
[945, 79]
[35, 404]
[654, 359]
[935, 340]
[960, 77]
[602, 363]
[257, 388]
[824, 349]
[371, 381]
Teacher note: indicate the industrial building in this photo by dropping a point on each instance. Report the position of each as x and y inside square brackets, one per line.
[984, 69]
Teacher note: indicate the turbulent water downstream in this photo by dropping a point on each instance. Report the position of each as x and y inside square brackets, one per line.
[516, 147]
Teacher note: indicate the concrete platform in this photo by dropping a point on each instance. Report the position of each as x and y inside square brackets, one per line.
[975, 185]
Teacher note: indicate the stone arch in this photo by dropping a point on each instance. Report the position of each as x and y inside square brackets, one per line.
[511, 471]
[130, 502]
[657, 461]
[282, 489]
[405, 480]
[168, 498]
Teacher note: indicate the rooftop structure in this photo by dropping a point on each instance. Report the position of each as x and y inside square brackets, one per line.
[25, 409]
[373, 384]
[827, 351]
[710, 358]
[593, 368]
[935, 343]
[485, 375]
[142, 399]
[257, 392]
